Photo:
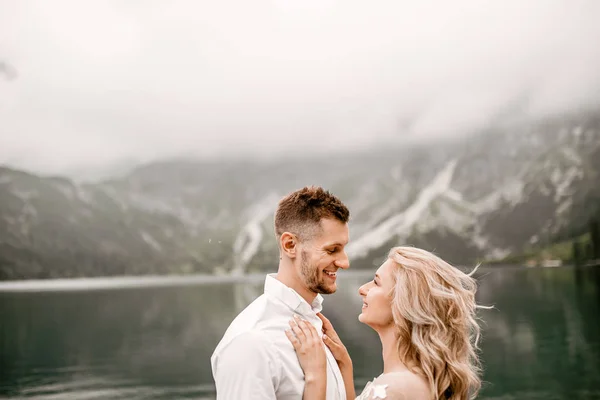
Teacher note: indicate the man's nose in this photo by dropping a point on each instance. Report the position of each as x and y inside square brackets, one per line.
[343, 262]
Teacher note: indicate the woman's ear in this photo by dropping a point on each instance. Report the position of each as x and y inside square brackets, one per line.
[288, 242]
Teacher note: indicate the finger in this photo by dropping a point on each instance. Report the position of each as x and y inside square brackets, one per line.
[335, 348]
[311, 330]
[326, 324]
[305, 327]
[297, 331]
[328, 328]
[295, 342]
[329, 343]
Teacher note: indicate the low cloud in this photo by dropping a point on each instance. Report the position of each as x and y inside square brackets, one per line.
[103, 81]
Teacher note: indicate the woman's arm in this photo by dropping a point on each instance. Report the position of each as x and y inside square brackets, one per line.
[309, 348]
[348, 376]
[315, 387]
[333, 341]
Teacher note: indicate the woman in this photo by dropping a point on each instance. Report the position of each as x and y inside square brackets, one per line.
[424, 312]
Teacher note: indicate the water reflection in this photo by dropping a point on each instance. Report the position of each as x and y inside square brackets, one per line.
[542, 339]
[537, 340]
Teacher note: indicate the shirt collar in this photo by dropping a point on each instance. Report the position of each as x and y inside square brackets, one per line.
[291, 298]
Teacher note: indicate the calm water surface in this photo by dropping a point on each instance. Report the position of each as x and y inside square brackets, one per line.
[542, 340]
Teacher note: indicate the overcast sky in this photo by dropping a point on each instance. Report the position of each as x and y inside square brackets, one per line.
[101, 81]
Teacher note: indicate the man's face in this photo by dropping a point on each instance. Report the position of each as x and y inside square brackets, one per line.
[323, 255]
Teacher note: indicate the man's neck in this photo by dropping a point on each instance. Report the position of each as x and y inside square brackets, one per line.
[294, 283]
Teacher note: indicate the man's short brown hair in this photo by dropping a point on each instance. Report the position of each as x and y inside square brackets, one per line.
[300, 212]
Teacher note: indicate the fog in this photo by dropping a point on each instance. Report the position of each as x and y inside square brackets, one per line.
[86, 84]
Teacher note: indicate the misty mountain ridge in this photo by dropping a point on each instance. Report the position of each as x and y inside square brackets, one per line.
[484, 196]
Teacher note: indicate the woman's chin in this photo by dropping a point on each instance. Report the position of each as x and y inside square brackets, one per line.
[361, 317]
[365, 320]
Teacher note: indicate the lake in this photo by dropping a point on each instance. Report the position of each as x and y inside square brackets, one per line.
[152, 338]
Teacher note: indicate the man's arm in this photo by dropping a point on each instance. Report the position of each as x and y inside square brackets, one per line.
[246, 369]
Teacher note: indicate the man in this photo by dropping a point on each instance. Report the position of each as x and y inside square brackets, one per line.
[255, 359]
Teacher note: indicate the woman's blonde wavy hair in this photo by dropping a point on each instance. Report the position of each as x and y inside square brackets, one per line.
[434, 310]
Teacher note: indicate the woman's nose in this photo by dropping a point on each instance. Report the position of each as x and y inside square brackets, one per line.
[362, 290]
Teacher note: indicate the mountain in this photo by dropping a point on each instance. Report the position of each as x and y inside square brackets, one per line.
[484, 196]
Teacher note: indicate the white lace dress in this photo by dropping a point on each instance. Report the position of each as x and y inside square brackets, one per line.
[373, 391]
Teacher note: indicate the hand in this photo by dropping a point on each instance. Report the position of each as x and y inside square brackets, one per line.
[309, 348]
[333, 341]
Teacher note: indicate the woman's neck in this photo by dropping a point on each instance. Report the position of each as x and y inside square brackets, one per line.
[391, 356]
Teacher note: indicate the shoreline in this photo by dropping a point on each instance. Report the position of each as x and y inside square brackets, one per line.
[150, 281]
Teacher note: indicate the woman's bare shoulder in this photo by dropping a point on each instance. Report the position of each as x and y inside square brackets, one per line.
[404, 385]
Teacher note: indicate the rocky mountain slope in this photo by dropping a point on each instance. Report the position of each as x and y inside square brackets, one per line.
[483, 196]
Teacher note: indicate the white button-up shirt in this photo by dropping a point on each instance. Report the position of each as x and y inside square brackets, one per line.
[255, 359]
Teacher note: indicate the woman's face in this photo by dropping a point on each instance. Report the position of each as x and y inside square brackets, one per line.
[377, 305]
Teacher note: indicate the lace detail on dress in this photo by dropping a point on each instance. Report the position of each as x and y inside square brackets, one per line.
[373, 392]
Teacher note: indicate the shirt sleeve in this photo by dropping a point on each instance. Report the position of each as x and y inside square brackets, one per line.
[246, 369]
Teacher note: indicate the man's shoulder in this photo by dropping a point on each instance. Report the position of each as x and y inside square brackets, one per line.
[249, 323]
[262, 323]
[251, 339]
[247, 339]
[259, 314]
[251, 316]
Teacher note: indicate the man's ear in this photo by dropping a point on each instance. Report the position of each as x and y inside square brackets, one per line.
[288, 242]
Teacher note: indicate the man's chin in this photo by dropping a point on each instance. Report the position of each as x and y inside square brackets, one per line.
[329, 291]
[326, 289]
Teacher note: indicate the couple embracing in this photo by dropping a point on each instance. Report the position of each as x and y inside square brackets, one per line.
[282, 347]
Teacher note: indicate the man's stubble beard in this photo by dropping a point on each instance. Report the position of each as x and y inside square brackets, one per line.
[310, 276]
